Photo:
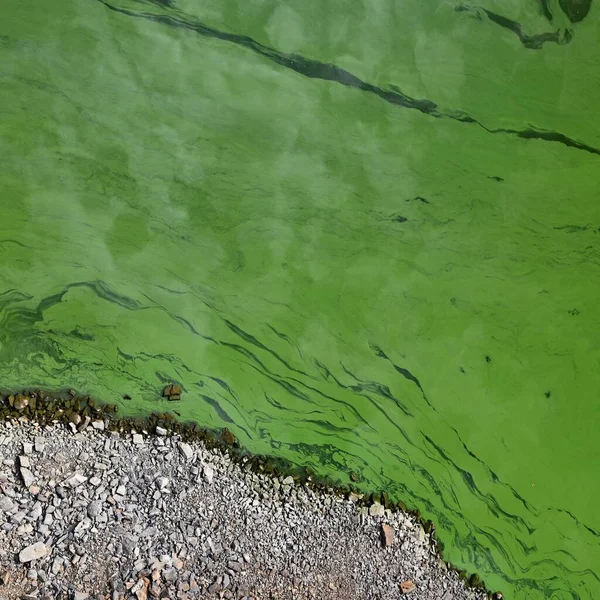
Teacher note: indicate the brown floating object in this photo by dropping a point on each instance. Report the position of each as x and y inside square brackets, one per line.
[408, 586]
[228, 437]
[172, 392]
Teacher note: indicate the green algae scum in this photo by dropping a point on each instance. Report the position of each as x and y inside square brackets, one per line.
[362, 236]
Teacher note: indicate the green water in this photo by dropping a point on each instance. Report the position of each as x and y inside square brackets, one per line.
[362, 235]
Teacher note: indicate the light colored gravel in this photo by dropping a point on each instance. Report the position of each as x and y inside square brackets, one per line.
[131, 515]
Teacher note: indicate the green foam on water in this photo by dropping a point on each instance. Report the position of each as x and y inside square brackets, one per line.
[363, 237]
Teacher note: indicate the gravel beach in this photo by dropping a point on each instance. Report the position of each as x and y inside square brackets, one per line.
[106, 515]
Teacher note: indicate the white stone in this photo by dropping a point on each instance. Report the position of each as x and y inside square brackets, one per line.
[76, 480]
[99, 425]
[138, 438]
[208, 472]
[27, 448]
[40, 443]
[377, 510]
[186, 450]
[24, 461]
[161, 431]
[27, 476]
[33, 552]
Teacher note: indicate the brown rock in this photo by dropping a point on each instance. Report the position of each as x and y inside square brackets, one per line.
[21, 402]
[387, 535]
[142, 592]
[75, 418]
[408, 586]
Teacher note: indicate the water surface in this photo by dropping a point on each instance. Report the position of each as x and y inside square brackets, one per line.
[363, 236]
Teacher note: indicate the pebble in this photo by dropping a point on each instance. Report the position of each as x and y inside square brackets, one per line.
[186, 451]
[27, 476]
[208, 472]
[94, 508]
[138, 439]
[377, 510]
[33, 552]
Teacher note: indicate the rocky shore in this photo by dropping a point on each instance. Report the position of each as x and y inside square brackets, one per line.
[93, 513]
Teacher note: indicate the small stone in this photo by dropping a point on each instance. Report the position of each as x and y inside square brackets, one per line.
[208, 472]
[170, 574]
[76, 480]
[40, 443]
[94, 508]
[5, 578]
[377, 510]
[186, 450]
[75, 418]
[57, 565]
[80, 596]
[32, 574]
[98, 425]
[27, 448]
[33, 552]
[162, 483]
[289, 480]
[24, 462]
[161, 431]
[138, 438]
[21, 402]
[95, 481]
[387, 535]
[6, 504]
[27, 476]
[406, 587]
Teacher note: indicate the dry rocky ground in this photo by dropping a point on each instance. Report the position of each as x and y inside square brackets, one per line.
[98, 514]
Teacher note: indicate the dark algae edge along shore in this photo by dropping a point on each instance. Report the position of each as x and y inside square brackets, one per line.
[78, 411]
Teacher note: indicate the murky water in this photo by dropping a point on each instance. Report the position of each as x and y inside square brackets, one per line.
[364, 236]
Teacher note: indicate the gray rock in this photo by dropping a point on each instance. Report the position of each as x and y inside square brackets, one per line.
[186, 451]
[27, 476]
[33, 552]
[94, 508]
[161, 431]
[6, 504]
